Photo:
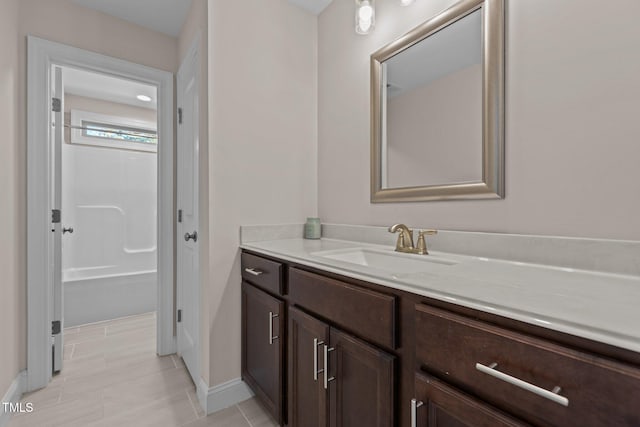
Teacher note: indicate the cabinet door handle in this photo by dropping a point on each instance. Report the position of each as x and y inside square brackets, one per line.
[271, 336]
[316, 343]
[415, 404]
[551, 395]
[327, 380]
[253, 271]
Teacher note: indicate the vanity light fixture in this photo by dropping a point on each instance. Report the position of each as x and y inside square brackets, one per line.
[144, 98]
[407, 2]
[365, 16]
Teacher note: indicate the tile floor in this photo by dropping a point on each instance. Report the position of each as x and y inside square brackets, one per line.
[113, 377]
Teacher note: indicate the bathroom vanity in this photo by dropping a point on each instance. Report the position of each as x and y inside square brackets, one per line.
[343, 333]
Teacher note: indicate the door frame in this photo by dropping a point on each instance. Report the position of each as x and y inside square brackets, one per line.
[41, 55]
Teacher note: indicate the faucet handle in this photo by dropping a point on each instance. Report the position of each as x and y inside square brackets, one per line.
[421, 246]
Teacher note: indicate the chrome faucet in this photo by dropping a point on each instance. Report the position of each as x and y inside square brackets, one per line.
[405, 239]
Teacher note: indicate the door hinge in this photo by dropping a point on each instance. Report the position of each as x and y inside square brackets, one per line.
[55, 327]
[179, 116]
[56, 105]
[55, 216]
[179, 215]
[179, 316]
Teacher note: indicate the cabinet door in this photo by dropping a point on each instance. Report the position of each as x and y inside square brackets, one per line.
[439, 405]
[361, 393]
[307, 396]
[262, 347]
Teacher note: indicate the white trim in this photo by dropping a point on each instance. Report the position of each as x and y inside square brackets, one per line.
[40, 56]
[222, 395]
[78, 117]
[13, 395]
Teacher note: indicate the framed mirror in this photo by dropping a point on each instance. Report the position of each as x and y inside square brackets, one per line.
[437, 108]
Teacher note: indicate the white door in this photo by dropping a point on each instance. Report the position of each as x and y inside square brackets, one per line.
[57, 135]
[188, 289]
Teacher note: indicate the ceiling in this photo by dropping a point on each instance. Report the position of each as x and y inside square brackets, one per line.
[314, 6]
[101, 86]
[164, 16]
[168, 16]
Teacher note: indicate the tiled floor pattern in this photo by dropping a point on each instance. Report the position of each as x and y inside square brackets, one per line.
[113, 377]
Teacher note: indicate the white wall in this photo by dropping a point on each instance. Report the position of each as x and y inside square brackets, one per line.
[572, 128]
[12, 248]
[262, 145]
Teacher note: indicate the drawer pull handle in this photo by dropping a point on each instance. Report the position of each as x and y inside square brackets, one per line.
[551, 395]
[415, 404]
[271, 337]
[327, 349]
[253, 271]
[316, 344]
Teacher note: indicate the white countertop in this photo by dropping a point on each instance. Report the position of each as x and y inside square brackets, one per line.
[602, 307]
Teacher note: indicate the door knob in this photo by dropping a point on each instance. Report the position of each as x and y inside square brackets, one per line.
[193, 236]
[67, 230]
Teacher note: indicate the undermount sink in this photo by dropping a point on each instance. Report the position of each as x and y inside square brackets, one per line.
[393, 262]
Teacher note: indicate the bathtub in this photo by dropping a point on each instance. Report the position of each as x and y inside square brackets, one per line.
[93, 295]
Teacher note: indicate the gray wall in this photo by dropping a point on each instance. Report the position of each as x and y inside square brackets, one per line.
[572, 123]
[12, 262]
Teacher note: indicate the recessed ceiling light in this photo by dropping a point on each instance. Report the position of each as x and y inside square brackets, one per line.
[144, 98]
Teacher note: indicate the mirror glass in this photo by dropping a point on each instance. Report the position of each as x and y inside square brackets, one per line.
[433, 108]
[437, 108]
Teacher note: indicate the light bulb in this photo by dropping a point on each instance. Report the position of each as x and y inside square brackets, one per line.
[364, 26]
[365, 13]
[144, 98]
[406, 2]
[365, 16]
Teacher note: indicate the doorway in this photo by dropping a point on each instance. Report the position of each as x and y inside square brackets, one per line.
[108, 203]
[97, 253]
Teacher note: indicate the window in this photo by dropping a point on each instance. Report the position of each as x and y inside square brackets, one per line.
[111, 131]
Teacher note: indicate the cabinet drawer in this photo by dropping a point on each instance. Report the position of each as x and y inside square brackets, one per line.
[262, 272]
[599, 391]
[366, 313]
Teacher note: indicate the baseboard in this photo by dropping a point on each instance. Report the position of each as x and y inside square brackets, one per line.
[213, 399]
[13, 395]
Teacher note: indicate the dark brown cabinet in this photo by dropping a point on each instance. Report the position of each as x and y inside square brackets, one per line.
[308, 403]
[263, 347]
[362, 389]
[323, 350]
[439, 405]
[536, 380]
[336, 379]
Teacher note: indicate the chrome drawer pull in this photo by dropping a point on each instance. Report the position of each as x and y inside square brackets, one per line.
[316, 343]
[271, 337]
[327, 349]
[415, 404]
[253, 271]
[551, 395]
